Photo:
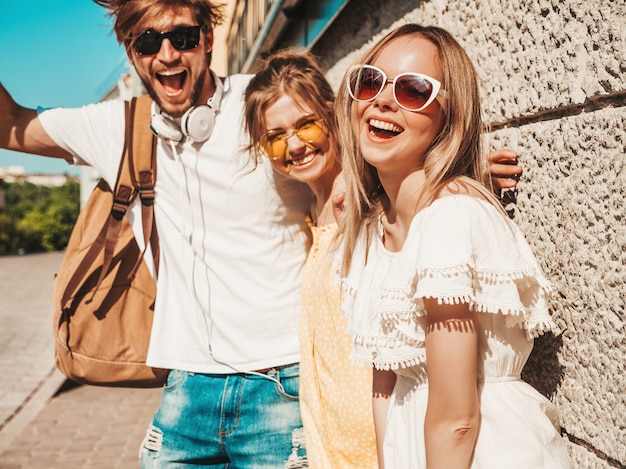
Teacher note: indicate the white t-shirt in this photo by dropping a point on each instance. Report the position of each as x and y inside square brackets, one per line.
[233, 239]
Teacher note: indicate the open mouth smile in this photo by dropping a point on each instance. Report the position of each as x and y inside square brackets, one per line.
[383, 129]
[305, 159]
[172, 81]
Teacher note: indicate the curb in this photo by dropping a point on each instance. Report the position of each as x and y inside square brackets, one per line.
[31, 407]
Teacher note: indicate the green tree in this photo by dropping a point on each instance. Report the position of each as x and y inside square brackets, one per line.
[38, 218]
[8, 233]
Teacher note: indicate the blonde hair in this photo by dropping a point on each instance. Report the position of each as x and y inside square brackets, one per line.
[455, 154]
[132, 16]
[296, 73]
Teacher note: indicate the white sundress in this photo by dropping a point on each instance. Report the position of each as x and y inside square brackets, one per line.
[459, 249]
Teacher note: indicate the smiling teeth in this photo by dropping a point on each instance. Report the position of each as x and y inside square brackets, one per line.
[388, 126]
[169, 73]
[305, 160]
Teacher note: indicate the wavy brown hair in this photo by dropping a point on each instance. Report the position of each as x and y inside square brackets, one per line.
[132, 16]
[456, 154]
[296, 73]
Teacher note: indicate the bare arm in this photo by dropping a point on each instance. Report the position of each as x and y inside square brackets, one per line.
[21, 130]
[503, 169]
[453, 413]
[382, 386]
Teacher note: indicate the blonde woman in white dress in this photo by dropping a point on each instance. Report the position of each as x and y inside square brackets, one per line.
[442, 292]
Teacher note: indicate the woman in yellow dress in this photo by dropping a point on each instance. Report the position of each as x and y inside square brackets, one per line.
[290, 120]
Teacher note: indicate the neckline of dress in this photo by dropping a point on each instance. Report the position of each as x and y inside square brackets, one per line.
[381, 228]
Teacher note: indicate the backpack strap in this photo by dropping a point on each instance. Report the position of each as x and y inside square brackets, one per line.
[136, 177]
[127, 187]
[142, 170]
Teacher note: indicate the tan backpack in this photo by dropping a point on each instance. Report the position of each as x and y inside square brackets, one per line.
[104, 293]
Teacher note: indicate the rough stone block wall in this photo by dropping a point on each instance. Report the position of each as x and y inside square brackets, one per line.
[553, 79]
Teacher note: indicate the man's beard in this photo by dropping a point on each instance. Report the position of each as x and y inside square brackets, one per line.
[167, 107]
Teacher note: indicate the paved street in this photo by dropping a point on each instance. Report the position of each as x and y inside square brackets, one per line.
[46, 421]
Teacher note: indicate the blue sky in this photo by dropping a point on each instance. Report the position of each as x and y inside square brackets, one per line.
[56, 53]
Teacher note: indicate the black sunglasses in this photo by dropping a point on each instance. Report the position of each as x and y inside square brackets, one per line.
[181, 38]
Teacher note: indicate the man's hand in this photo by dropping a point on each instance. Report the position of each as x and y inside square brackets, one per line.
[503, 169]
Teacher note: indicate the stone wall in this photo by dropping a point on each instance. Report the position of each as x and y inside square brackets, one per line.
[553, 79]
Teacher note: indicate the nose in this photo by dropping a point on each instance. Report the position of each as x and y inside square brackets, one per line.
[167, 52]
[294, 145]
[385, 96]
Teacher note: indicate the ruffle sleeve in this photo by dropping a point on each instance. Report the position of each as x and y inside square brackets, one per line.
[458, 250]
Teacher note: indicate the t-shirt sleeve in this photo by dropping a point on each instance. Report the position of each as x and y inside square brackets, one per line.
[93, 134]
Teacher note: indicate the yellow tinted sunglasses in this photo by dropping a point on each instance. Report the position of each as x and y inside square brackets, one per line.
[309, 129]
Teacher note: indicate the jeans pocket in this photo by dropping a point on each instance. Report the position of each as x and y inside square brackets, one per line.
[289, 379]
[175, 379]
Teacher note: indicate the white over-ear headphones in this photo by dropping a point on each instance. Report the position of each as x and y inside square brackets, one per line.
[197, 123]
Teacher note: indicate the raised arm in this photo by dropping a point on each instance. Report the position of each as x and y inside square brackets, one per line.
[503, 168]
[20, 130]
[453, 411]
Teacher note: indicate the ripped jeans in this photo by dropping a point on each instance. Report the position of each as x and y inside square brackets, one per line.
[227, 421]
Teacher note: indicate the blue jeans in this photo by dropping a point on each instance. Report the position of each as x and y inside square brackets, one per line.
[227, 421]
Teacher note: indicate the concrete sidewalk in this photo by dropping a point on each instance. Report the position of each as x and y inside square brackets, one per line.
[46, 421]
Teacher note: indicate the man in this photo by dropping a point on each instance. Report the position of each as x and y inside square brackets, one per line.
[233, 241]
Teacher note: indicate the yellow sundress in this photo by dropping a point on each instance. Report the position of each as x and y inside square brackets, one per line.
[335, 393]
